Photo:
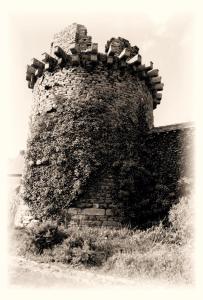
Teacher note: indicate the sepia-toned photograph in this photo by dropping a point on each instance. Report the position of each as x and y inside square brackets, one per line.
[100, 161]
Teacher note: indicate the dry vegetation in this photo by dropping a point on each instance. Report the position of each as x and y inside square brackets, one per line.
[156, 253]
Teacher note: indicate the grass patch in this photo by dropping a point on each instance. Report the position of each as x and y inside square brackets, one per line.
[158, 252]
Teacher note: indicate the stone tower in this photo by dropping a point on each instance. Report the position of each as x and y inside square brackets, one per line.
[91, 112]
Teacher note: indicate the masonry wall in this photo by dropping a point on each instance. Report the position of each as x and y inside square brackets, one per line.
[75, 34]
[168, 155]
[93, 157]
[166, 175]
[85, 123]
[171, 149]
[99, 206]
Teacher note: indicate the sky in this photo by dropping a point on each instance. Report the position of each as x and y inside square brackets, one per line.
[164, 34]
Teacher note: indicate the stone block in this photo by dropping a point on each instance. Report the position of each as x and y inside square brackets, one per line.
[150, 67]
[153, 73]
[73, 223]
[90, 223]
[141, 68]
[94, 48]
[74, 211]
[103, 205]
[101, 218]
[37, 64]
[111, 223]
[122, 64]
[109, 60]
[109, 212]
[38, 72]
[85, 205]
[156, 101]
[158, 96]
[108, 200]
[112, 205]
[46, 58]
[91, 218]
[78, 217]
[111, 50]
[30, 69]
[155, 79]
[28, 77]
[135, 60]
[93, 211]
[75, 59]
[93, 57]
[158, 87]
[125, 53]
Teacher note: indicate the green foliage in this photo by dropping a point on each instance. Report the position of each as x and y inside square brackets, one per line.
[40, 237]
[87, 252]
[73, 144]
[181, 218]
[48, 242]
[158, 252]
[47, 235]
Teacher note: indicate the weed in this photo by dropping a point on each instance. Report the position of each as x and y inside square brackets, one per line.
[158, 252]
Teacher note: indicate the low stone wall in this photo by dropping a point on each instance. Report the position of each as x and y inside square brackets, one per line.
[171, 152]
[93, 217]
[99, 206]
[169, 158]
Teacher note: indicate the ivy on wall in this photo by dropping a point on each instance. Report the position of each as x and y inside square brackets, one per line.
[72, 144]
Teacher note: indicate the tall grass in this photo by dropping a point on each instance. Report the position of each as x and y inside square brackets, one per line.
[155, 253]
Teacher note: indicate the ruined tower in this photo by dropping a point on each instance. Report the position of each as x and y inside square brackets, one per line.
[91, 113]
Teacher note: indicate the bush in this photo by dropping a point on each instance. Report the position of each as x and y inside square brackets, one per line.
[181, 218]
[163, 262]
[38, 238]
[47, 235]
[158, 252]
[76, 246]
[84, 247]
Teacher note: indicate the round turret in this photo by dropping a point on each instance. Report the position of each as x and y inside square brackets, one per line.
[90, 113]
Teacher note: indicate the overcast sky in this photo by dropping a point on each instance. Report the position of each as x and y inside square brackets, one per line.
[164, 34]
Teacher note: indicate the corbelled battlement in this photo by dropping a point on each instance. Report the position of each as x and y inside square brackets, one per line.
[73, 47]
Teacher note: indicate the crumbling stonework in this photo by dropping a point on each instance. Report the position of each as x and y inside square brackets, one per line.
[167, 155]
[91, 118]
[74, 36]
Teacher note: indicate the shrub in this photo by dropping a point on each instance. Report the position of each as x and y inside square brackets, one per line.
[181, 218]
[20, 242]
[40, 237]
[83, 247]
[47, 235]
[164, 262]
[158, 252]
